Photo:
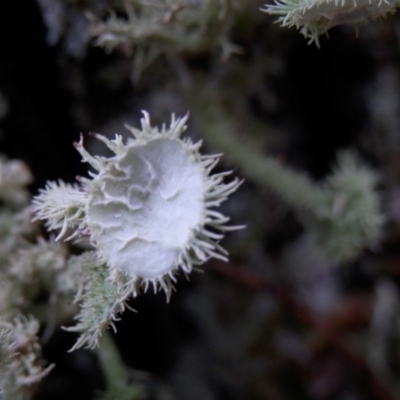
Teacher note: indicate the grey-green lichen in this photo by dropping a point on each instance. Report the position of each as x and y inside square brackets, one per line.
[352, 217]
[314, 18]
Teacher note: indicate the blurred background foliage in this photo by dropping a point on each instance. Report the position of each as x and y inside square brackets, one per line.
[278, 321]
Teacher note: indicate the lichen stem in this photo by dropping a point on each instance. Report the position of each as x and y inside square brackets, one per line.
[218, 129]
[117, 376]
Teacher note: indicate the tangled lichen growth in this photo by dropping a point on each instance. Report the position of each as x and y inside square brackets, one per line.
[20, 358]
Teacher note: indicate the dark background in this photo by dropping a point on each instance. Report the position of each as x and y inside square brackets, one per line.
[271, 324]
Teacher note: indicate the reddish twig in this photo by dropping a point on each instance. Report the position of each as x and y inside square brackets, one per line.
[327, 332]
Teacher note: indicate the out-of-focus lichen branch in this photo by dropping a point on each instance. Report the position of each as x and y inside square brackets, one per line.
[343, 213]
[151, 29]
